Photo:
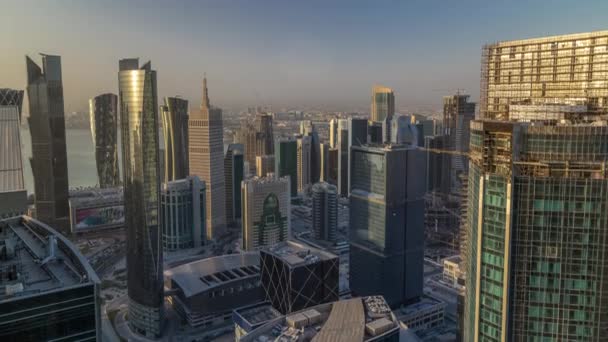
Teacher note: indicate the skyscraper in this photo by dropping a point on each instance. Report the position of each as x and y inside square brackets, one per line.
[233, 170]
[357, 136]
[325, 212]
[174, 115]
[457, 115]
[103, 111]
[403, 131]
[383, 104]
[206, 153]
[264, 135]
[13, 195]
[47, 127]
[304, 161]
[536, 229]
[553, 69]
[343, 151]
[286, 162]
[333, 133]
[182, 205]
[307, 128]
[387, 222]
[266, 211]
[264, 165]
[141, 181]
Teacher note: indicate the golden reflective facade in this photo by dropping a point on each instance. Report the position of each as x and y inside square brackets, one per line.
[569, 68]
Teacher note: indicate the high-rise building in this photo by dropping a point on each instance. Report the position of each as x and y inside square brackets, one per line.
[103, 111]
[536, 249]
[383, 104]
[286, 162]
[141, 181]
[307, 128]
[325, 212]
[376, 135]
[387, 222]
[13, 195]
[295, 276]
[264, 135]
[324, 162]
[234, 171]
[304, 161]
[182, 208]
[47, 128]
[174, 114]
[206, 153]
[403, 131]
[264, 165]
[265, 211]
[50, 292]
[357, 136]
[333, 133]
[457, 115]
[343, 152]
[557, 69]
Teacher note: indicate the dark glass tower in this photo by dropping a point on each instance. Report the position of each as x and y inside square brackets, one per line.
[286, 161]
[103, 110]
[139, 128]
[387, 223]
[325, 212]
[47, 127]
[174, 114]
[234, 167]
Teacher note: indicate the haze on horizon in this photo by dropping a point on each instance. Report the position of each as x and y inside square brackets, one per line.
[287, 54]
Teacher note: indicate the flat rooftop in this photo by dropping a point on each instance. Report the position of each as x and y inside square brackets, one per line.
[296, 253]
[356, 319]
[257, 314]
[38, 259]
[199, 276]
[425, 303]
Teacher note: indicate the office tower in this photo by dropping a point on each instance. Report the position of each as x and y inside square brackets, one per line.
[286, 162]
[357, 136]
[333, 156]
[47, 127]
[403, 131]
[264, 136]
[557, 69]
[375, 133]
[437, 177]
[103, 111]
[13, 195]
[182, 210]
[343, 152]
[141, 183]
[265, 211]
[264, 165]
[295, 276]
[50, 292]
[325, 212]
[387, 222]
[431, 127]
[304, 161]
[245, 136]
[234, 171]
[457, 115]
[383, 104]
[174, 115]
[324, 159]
[536, 230]
[333, 133]
[206, 152]
[308, 129]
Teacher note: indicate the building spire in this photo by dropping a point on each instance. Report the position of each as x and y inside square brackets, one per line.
[205, 104]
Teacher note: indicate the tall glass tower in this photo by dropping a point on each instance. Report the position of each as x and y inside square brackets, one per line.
[49, 156]
[139, 129]
[537, 237]
[383, 104]
[174, 114]
[103, 110]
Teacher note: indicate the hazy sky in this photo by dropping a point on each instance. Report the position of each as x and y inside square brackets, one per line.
[283, 53]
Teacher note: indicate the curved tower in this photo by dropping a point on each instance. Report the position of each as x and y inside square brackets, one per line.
[139, 129]
[174, 114]
[104, 130]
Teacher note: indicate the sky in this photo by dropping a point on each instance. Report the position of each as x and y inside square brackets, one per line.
[286, 54]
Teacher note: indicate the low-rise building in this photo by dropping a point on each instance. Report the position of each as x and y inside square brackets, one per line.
[249, 318]
[423, 315]
[48, 290]
[93, 209]
[205, 292]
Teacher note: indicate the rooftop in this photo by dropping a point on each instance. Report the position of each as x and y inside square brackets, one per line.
[357, 319]
[95, 196]
[199, 276]
[425, 303]
[34, 259]
[295, 253]
[258, 313]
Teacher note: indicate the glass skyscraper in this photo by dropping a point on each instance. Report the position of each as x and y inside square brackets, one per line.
[234, 168]
[103, 111]
[387, 222]
[383, 104]
[174, 114]
[49, 156]
[139, 129]
[286, 162]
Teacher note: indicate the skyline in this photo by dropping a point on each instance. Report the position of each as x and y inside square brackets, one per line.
[280, 54]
